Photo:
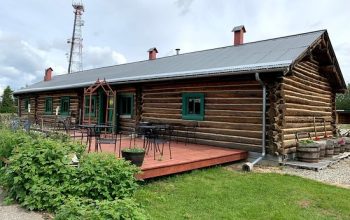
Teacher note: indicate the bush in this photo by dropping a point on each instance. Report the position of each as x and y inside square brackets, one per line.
[9, 141]
[88, 209]
[38, 176]
[102, 176]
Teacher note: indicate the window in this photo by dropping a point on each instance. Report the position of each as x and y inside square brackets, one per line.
[48, 105]
[93, 106]
[193, 106]
[26, 103]
[65, 102]
[126, 104]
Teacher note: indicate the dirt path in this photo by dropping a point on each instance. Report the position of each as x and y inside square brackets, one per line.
[15, 212]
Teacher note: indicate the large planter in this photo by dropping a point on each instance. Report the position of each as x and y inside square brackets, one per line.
[341, 142]
[336, 146]
[329, 148]
[322, 145]
[309, 152]
[347, 144]
[135, 157]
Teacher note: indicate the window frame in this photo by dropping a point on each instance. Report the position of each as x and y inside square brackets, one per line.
[120, 102]
[26, 102]
[87, 103]
[64, 98]
[50, 110]
[185, 114]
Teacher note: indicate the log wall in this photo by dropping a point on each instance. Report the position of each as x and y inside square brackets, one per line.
[37, 102]
[232, 111]
[306, 94]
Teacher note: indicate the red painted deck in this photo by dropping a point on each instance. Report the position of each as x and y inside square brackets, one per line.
[185, 157]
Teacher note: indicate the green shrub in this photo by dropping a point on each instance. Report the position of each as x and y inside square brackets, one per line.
[9, 141]
[39, 176]
[102, 176]
[88, 209]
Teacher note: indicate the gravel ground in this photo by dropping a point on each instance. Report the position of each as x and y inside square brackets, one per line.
[15, 212]
[336, 174]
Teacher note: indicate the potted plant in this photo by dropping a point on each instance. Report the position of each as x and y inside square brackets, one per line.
[308, 151]
[135, 155]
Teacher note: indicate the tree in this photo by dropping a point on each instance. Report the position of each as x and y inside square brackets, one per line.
[342, 101]
[7, 104]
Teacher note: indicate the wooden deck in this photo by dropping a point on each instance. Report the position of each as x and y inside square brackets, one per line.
[185, 157]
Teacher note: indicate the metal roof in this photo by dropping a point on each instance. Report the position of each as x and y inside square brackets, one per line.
[268, 55]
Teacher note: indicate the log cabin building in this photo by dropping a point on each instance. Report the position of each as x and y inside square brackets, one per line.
[238, 96]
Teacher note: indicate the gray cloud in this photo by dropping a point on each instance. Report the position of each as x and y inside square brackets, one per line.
[184, 6]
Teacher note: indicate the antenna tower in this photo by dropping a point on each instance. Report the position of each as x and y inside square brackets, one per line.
[76, 42]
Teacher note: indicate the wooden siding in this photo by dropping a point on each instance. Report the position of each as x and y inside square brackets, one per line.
[232, 111]
[306, 94]
[37, 102]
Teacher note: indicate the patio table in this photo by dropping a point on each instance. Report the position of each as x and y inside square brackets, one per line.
[94, 131]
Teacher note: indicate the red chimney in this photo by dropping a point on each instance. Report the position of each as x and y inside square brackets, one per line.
[238, 35]
[48, 74]
[152, 53]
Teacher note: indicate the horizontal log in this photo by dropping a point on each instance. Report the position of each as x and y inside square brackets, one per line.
[241, 146]
[227, 138]
[310, 83]
[307, 107]
[162, 105]
[292, 91]
[305, 101]
[310, 79]
[303, 119]
[252, 120]
[162, 110]
[209, 112]
[306, 124]
[293, 82]
[304, 112]
[306, 70]
[238, 107]
[319, 134]
[231, 132]
[305, 129]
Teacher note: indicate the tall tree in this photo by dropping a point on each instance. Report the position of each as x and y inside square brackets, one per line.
[343, 100]
[7, 104]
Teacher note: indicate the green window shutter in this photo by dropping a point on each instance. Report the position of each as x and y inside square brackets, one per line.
[193, 106]
[65, 105]
[48, 105]
[93, 106]
[126, 104]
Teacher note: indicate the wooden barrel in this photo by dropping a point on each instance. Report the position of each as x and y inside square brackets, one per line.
[341, 142]
[336, 147]
[347, 144]
[329, 148]
[308, 152]
[322, 145]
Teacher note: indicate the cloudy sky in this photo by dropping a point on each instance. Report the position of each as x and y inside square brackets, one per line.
[33, 33]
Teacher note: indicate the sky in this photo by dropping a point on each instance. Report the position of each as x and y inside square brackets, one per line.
[34, 33]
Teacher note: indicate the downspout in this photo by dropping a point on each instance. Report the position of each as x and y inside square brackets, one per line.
[249, 165]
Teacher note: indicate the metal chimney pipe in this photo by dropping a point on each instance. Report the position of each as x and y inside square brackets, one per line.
[177, 51]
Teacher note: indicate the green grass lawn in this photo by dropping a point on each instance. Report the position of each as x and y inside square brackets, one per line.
[219, 193]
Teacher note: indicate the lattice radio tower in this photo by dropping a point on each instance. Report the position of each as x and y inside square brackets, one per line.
[76, 42]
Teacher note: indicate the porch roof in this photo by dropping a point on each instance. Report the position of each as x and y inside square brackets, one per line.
[262, 56]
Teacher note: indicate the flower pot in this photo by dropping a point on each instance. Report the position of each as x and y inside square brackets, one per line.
[135, 158]
[309, 152]
[329, 148]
